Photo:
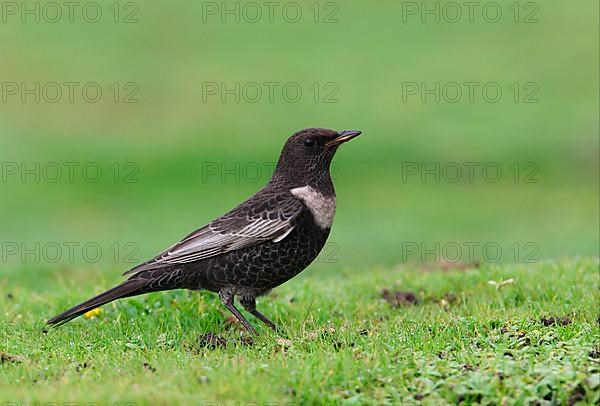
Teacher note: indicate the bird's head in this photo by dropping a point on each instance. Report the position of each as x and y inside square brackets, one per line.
[307, 155]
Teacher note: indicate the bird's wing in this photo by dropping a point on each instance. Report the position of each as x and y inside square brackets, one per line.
[254, 221]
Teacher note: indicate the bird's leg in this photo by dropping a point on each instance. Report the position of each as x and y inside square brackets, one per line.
[249, 304]
[226, 297]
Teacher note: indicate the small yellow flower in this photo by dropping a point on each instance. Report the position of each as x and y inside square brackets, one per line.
[92, 313]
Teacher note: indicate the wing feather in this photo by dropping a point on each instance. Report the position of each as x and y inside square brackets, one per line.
[256, 220]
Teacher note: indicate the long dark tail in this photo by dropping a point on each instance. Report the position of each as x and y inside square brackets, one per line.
[128, 288]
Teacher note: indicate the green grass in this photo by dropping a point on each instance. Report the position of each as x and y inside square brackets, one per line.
[465, 340]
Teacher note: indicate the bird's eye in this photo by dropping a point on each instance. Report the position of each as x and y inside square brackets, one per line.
[309, 142]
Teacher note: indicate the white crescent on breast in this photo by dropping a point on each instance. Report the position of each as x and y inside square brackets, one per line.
[321, 207]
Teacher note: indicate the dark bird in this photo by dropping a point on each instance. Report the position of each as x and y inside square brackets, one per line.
[260, 244]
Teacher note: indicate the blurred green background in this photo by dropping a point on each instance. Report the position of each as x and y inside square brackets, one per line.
[365, 53]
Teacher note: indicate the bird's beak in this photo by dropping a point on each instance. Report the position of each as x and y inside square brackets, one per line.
[343, 136]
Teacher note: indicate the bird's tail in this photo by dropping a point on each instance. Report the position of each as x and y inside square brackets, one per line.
[131, 287]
